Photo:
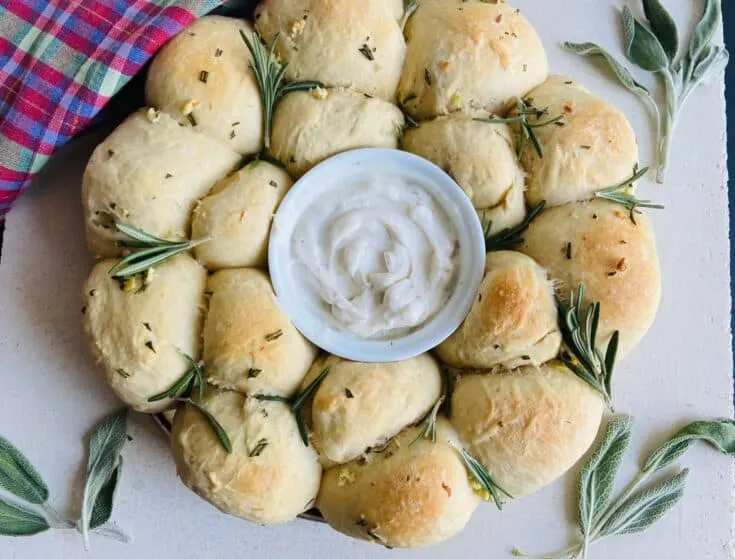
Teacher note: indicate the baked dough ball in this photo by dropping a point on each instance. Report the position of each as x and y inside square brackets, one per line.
[513, 321]
[403, 495]
[137, 330]
[479, 156]
[149, 173]
[614, 258]
[269, 478]
[205, 72]
[249, 343]
[527, 426]
[470, 57]
[348, 43]
[236, 215]
[510, 211]
[595, 148]
[360, 405]
[308, 128]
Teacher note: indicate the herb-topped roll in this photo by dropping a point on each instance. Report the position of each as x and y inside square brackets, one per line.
[140, 329]
[203, 79]
[249, 343]
[270, 477]
[473, 57]
[348, 43]
[591, 147]
[310, 126]
[407, 494]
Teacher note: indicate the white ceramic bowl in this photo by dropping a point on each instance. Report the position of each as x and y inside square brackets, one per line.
[294, 295]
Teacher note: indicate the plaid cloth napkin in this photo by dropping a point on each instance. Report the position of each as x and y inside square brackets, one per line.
[61, 61]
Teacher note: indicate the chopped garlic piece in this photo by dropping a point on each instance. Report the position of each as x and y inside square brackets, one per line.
[455, 101]
[153, 115]
[345, 477]
[319, 93]
[297, 28]
[479, 490]
[132, 283]
[189, 107]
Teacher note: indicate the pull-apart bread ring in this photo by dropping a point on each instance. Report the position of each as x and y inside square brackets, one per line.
[137, 329]
[149, 173]
[527, 426]
[403, 495]
[361, 405]
[250, 345]
[202, 78]
[269, 478]
[472, 57]
[513, 322]
[340, 43]
[597, 244]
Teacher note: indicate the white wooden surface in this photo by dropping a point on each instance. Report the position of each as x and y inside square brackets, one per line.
[52, 393]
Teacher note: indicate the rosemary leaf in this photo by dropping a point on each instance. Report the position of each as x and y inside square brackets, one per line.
[219, 431]
[481, 475]
[621, 194]
[410, 6]
[181, 387]
[428, 426]
[259, 448]
[510, 237]
[19, 477]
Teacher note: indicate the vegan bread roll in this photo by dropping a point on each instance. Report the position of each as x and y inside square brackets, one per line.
[202, 77]
[513, 321]
[479, 156]
[347, 43]
[527, 426]
[472, 57]
[137, 329]
[250, 345]
[360, 405]
[149, 173]
[594, 149]
[309, 127]
[236, 215]
[269, 478]
[405, 495]
[597, 244]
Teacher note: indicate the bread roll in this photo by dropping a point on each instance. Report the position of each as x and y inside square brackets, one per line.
[508, 213]
[479, 156]
[513, 321]
[403, 496]
[148, 173]
[203, 75]
[250, 345]
[308, 129]
[472, 57]
[361, 405]
[137, 330]
[595, 148]
[348, 43]
[614, 258]
[269, 478]
[236, 215]
[528, 426]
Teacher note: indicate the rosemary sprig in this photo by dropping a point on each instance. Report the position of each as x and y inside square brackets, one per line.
[146, 250]
[410, 6]
[481, 475]
[297, 403]
[524, 111]
[510, 237]
[428, 426]
[621, 194]
[579, 333]
[270, 77]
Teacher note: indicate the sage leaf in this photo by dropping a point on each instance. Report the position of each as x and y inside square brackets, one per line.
[645, 507]
[641, 46]
[712, 64]
[663, 26]
[105, 445]
[597, 478]
[19, 521]
[102, 510]
[18, 476]
[702, 37]
[719, 433]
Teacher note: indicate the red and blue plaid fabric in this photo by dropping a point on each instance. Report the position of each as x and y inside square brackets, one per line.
[61, 61]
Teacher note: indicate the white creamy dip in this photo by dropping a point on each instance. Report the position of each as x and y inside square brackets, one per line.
[379, 252]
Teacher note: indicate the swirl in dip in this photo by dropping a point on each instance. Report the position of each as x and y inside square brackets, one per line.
[379, 252]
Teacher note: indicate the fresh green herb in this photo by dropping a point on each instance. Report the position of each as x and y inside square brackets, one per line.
[481, 475]
[16, 520]
[270, 77]
[348, 393]
[259, 447]
[409, 7]
[622, 194]
[253, 373]
[271, 336]
[655, 50]
[203, 76]
[579, 334]
[219, 431]
[568, 251]
[428, 426]
[218, 53]
[636, 508]
[510, 237]
[366, 52]
[146, 251]
[297, 403]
